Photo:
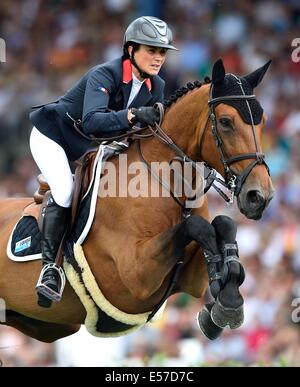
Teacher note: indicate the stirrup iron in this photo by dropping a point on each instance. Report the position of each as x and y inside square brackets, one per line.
[45, 290]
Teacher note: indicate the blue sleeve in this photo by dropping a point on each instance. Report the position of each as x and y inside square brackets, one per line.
[96, 118]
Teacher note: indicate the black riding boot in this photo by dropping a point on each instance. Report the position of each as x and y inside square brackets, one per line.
[55, 223]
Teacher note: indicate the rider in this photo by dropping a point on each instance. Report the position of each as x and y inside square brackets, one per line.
[107, 100]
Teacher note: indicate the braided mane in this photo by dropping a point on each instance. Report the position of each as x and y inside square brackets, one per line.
[184, 90]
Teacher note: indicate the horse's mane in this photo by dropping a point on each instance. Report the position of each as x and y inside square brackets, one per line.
[184, 90]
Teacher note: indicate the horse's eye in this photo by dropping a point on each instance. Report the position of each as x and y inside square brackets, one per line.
[226, 123]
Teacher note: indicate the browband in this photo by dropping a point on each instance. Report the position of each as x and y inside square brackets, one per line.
[231, 98]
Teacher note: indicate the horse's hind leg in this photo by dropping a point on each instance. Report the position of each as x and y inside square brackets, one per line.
[39, 330]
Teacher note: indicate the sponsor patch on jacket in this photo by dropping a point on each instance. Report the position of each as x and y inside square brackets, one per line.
[23, 244]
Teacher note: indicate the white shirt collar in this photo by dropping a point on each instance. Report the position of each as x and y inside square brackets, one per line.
[136, 80]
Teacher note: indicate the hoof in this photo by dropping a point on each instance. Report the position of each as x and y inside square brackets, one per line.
[206, 325]
[223, 317]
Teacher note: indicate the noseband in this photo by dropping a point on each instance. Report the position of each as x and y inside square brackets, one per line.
[233, 181]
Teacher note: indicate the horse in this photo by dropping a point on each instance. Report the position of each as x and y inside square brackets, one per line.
[135, 243]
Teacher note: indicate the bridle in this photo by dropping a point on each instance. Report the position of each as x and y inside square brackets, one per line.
[233, 181]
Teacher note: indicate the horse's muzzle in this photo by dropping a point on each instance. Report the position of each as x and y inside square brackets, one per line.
[253, 203]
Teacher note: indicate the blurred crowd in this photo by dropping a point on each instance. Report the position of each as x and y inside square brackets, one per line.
[51, 43]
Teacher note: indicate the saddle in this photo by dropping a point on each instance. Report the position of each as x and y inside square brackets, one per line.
[82, 179]
[25, 240]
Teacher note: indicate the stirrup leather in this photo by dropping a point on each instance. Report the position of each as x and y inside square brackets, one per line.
[45, 290]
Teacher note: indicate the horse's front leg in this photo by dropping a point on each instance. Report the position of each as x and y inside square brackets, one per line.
[225, 272]
[156, 258]
[149, 276]
[228, 309]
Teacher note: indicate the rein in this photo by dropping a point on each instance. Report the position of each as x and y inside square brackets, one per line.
[77, 124]
[180, 156]
[137, 134]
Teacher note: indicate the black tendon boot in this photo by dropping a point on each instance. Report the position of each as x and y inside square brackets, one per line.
[51, 282]
[204, 233]
[228, 309]
[214, 265]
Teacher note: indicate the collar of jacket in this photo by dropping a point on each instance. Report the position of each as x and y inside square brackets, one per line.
[127, 74]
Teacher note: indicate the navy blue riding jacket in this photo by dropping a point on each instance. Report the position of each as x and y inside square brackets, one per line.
[99, 100]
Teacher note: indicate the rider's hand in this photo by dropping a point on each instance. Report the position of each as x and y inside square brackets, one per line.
[146, 115]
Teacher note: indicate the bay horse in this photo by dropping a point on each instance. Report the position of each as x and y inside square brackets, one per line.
[135, 243]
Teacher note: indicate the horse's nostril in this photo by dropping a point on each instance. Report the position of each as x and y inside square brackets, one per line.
[255, 197]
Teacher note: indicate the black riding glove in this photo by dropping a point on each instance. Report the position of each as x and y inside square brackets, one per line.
[146, 115]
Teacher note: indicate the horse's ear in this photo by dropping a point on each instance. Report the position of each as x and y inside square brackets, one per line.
[218, 72]
[256, 77]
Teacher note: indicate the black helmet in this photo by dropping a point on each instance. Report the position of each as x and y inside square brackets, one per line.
[150, 31]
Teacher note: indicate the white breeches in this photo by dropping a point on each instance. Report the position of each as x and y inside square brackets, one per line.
[54, 165]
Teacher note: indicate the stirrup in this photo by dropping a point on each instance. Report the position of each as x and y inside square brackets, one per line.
[45, 290]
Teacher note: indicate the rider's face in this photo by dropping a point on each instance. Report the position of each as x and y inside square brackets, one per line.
[149, 59]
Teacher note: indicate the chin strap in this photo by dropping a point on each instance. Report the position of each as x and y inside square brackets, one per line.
[142, 73]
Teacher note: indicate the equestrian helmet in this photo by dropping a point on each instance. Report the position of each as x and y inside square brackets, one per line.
[150, 31]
